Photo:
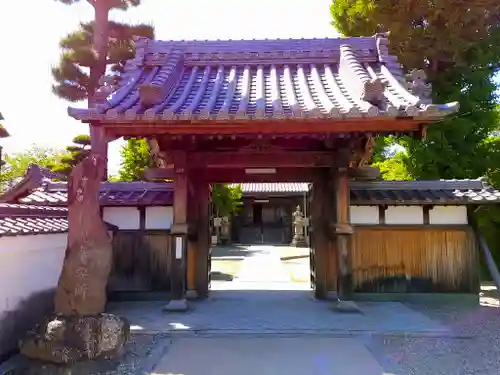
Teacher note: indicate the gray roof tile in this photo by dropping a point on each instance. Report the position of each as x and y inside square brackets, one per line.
[262, 79]
[397, 192]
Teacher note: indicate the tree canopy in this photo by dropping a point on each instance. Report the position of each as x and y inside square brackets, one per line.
[75, 153]
[72, 74]
[457, 43]
[135, 158]
[17, 164]
[94, 51]
[226, 199]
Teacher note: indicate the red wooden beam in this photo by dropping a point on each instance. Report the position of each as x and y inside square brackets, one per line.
[235, 175]
[261, 159]
[307, 127]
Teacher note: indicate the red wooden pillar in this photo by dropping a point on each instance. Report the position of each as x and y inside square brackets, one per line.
[192, 241]
[99, 145]
[342, 229]
[319, 235]
[203, 248]
[179, 232]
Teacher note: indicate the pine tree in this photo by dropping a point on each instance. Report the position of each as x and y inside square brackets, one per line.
[74, 75]
[75, 153]
[96, 57]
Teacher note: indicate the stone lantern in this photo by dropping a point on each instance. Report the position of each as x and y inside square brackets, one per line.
[299, 223]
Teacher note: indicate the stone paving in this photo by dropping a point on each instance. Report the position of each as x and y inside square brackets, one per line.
[268, 356]
[260, 323]
[262, 299]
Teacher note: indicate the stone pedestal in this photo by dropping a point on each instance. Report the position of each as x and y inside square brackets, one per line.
[66, 340]
[346, 307]
[299, 240]
[176, 305]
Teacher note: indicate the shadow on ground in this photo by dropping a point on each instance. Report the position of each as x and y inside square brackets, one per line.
[232, 252]
[273, 311]
[221, 276]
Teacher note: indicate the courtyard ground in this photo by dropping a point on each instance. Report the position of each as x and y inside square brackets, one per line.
[261, 321]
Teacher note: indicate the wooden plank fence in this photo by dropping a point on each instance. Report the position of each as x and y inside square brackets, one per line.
[141, 262]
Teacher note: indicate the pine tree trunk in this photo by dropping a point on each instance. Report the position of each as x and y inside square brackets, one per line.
[100, 46]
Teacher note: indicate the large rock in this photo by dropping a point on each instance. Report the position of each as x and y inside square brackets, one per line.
[82, 284]
[66, 340]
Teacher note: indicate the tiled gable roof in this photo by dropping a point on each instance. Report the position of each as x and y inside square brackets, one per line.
[263, 79]
[395, 192]
[26, 219]
[19, 219]
[37, 188]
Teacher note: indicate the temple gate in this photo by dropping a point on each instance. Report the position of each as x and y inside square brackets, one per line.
[261, 111]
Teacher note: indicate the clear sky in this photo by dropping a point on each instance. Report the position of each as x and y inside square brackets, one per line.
[30, 47]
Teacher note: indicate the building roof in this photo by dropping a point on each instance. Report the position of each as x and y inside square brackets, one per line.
[37, 188]
[396, 192]
[26, 219]
[263, 79]
[273, 187]
[20, 219]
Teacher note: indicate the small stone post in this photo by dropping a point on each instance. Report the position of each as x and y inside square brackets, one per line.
[299, 223]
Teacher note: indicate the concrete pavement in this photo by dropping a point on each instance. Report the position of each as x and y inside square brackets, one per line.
[267, 356]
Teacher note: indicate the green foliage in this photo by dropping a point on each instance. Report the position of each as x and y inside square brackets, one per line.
[17, 164]
[394, 168]
[72, 74]
[75, 153]
[226, 199]
[457, 43]
[135, 158]
[436, 36]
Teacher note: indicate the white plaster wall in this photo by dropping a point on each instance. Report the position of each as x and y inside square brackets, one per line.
[396, 215]
[122, 217]
[453, 215]
[159, 217]
[364, 215]
[29, 264]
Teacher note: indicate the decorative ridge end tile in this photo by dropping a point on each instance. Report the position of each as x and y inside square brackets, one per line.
[382, 43]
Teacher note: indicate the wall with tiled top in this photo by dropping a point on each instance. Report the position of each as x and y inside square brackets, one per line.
[125, 218]
[409, 215]
[159, 217]
[29, 270]
[448, 215]
[129, 218]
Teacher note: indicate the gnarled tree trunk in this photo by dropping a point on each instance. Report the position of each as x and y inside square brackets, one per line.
[80, 329]
[82, 284]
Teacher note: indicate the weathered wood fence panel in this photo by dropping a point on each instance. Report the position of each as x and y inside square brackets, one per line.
[399, 259]
[141, 262]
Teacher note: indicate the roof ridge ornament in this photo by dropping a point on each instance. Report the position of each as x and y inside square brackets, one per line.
[373, 91]
[417, 85]
[108, 84]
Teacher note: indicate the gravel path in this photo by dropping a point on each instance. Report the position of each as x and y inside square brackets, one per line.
[141, 354]
[477, 355]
